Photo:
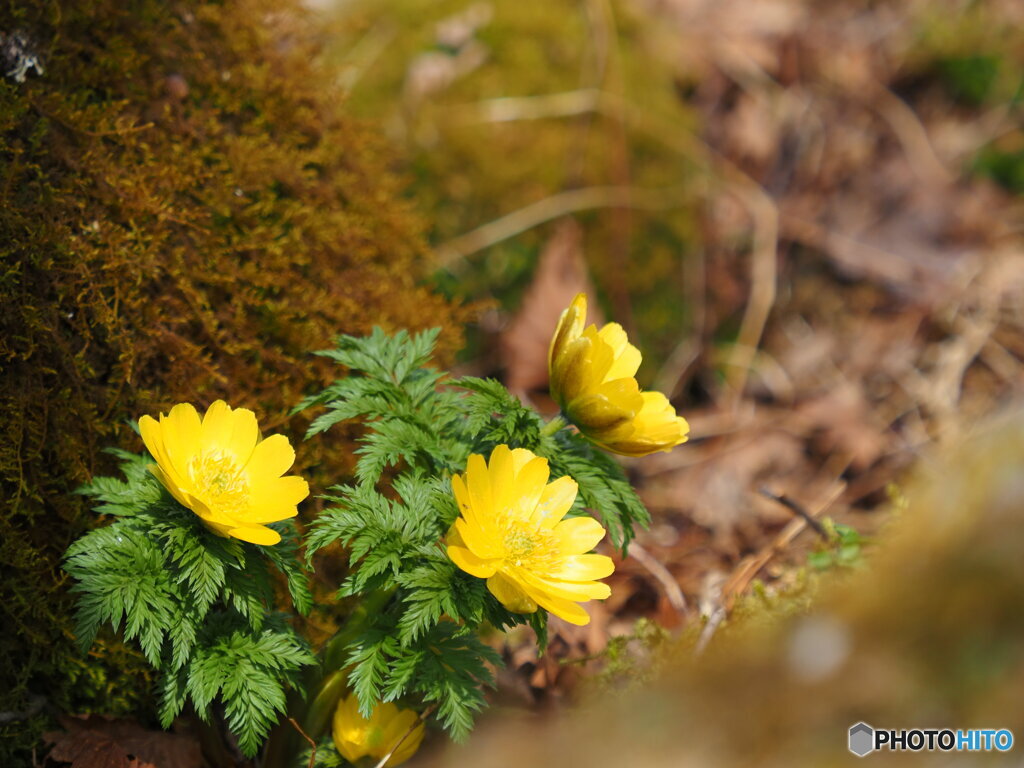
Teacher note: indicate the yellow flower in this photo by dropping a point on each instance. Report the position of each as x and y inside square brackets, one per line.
[221, 470]
[593, 381]
[356, 737]
[511, 533]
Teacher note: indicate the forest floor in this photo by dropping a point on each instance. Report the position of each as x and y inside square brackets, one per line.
[883, 311]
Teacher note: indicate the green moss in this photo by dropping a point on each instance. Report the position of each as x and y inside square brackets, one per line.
[470, 170]
[185, 214]
[970, 79]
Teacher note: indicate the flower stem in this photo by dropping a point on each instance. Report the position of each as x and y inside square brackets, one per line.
[325, 683]
[553, 426]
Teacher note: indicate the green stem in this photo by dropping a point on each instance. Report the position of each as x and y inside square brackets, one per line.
[320, 711]
[326, 685]
[553, 426]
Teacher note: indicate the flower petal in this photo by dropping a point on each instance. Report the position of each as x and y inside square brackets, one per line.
[461, 495]
[286, 491]
[470, 563]
[408, 747]
[579, 534]
[216, 426]
[234, 431]
[478, 541]
[595, 410]
[655, 428]
[171, 485]
[530, 484]
[273, 514]
[600, 357]
[569, 328]
[153, 438]
[582, 568]
[348, 728]
[270, 459]
[538, 586]
[510, 594]
[394, 730]
[568, 610]
[627, 358]
[556, 500]
[256, 534]
[503, 479]
[570, 374]
[180, 429]
[520, 458]
[478, 481]
[218, 526]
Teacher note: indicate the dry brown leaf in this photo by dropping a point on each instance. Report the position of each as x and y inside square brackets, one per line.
[98, 742]
[89, 749]
[561, 274]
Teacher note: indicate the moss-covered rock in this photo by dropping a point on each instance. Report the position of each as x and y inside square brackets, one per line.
[185, 214]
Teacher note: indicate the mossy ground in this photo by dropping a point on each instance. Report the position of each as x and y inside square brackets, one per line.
[185, 214]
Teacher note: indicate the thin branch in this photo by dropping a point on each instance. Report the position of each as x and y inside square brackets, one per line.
[714, 620]
[35, 706]
[797, 510]
[762, 288]
[661, 575]
[312, 744]
[911, 133]
[423, 716]
[555, 207]
[760, 204]
[750, 566]
[514, 108]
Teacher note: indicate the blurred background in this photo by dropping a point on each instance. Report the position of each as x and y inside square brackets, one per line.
[807, 215]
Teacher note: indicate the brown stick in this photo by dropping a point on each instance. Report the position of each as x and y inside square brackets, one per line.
[797, 510]
[661, 574]
[423, 716]
[312, 744]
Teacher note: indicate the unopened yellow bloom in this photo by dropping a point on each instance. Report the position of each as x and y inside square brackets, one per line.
[511, 532]
[220, 469]
[593, 381]
[356, 737]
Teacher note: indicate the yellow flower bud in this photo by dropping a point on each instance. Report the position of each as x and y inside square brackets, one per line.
[356, 737]
[592, 375]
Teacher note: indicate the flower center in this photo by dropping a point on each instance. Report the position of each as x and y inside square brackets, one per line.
[219, 481]
[528, 547]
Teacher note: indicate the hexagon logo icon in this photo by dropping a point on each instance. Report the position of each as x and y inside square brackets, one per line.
[862, 739]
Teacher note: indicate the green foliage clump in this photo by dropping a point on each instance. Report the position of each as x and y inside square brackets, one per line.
[184, 212]
[843, 550]
[199, 605]
[202, 607]
[633, 659]
[423, 642]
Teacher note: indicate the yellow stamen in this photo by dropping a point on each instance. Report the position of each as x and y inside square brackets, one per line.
[532, 547]
[221, 483]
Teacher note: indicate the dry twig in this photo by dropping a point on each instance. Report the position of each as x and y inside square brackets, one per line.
[312, 744]
[797, 509]
[661, 574]
[423, 716]
[555, 207]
